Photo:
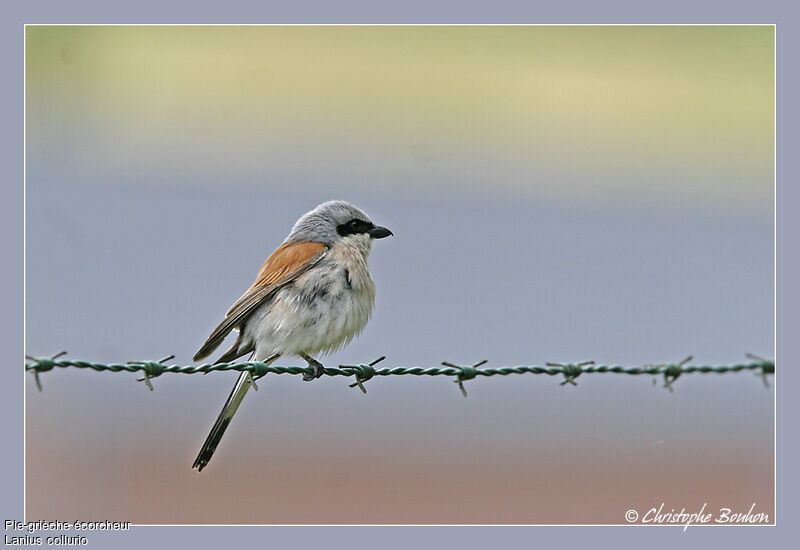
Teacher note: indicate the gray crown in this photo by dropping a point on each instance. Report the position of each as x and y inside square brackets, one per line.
[319, 225]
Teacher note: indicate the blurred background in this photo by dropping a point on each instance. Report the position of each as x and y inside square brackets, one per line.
[556, 194]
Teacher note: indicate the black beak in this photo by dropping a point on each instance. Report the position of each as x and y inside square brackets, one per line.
[379, 232]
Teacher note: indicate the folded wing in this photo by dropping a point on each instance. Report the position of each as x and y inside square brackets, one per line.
[289, 261]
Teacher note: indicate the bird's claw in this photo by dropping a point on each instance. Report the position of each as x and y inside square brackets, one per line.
[319, 370]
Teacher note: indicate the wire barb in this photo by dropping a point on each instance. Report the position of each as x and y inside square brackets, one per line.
[362, 373]
[673, 371]
[767, 368]
[42, 364]
[465, 373]
[571, 371]
[151, 369]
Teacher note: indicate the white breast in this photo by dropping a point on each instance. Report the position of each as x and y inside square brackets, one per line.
[323, 310]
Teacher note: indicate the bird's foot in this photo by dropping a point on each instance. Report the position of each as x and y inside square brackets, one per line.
[319, 370]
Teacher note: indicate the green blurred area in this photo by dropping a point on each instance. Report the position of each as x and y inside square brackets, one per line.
[617, 103]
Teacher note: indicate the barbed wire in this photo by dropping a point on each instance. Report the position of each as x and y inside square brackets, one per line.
[363, 372]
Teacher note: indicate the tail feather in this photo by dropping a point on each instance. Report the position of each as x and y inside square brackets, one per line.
[218, 430]
[216, 338]
[228, 410]
[211, 344]
[235, 351]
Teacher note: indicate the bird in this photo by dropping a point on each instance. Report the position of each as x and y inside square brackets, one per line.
[312, 296]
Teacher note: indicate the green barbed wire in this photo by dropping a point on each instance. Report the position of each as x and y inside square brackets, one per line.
[364, 372]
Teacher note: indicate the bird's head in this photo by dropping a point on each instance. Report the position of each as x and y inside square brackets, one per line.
[337, 222]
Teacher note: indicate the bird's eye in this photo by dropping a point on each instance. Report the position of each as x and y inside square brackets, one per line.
[359, 226]
[354, 226]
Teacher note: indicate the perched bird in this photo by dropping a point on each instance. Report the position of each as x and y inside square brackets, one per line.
[312, 296]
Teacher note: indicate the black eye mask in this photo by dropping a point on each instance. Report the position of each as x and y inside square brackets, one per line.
[354, 227]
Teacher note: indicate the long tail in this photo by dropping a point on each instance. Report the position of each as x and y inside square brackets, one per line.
[228, 410]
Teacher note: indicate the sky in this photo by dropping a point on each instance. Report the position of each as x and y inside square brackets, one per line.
[555, 193]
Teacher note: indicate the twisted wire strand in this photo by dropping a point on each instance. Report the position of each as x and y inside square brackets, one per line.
[364, 372]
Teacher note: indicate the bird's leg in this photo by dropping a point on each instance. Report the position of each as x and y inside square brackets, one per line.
[318, 368]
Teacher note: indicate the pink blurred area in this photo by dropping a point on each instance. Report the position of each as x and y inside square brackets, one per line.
[418, 488]
[398, 468]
